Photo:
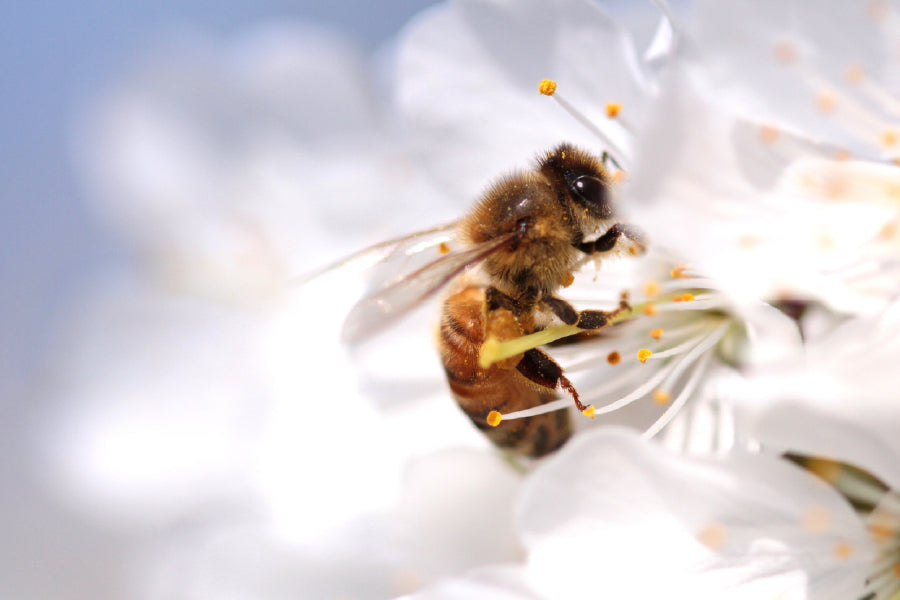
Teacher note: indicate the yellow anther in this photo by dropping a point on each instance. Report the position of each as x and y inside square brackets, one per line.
[589, 411]
[613, 358]
[713, 536]
[494, 418]
[816, 518]
[843, 550]
[661, 396]
[443, 248]
[854, 74]
[650, 309]
[686, 297]
[769, 134]
[677, 272]
[825, 102]
[889, 138]
[643, 354]
[651, 288]
[656, 333]
[547, 87]
[785, 52]
[613, 109]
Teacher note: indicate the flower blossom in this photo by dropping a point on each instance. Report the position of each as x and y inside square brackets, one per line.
[770, 166]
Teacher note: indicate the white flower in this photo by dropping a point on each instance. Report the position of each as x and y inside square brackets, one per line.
[665, 353]
[613, 516]
[468, 74]
[766, 168]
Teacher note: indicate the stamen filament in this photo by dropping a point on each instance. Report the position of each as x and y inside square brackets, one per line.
[494, 350]
[614, 148]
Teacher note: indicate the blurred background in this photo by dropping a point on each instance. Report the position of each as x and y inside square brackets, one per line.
[58, 58]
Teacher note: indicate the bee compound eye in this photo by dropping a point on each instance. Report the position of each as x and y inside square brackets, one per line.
[591, 192]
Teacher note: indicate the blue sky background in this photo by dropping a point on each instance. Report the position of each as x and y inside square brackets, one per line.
[54, 56]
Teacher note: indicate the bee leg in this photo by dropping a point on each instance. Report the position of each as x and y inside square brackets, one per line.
[585, 319]
[607, 157]
[607, 241]
[537, 366]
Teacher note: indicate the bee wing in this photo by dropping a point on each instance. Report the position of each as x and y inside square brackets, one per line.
[391, 256]
[382, 308]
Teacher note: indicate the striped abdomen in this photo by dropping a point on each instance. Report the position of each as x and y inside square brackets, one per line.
[479, 391]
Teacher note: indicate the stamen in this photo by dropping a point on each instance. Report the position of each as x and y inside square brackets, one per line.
[677, 272]
[443, 248]
[684, 298]
[589, 411]
[656, 333]
[651, 288]
[769, 134]
[661, 396]
[650, 309]
[785, 51]
[817, 518]
[547, 87]
[493, 350]
[843, 550]
[613, 358]
[712, 536]
[494, 418]
[643, 354]
[613, 109]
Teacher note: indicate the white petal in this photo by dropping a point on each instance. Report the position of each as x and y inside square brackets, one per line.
[610, 514]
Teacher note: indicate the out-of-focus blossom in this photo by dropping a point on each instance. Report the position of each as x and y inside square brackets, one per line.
[611, 515]
[769, 167]
[468, 72]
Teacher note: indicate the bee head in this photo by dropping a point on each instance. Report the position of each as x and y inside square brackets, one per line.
[579, 178]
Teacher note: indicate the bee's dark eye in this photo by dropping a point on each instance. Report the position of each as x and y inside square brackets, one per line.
[591, 193]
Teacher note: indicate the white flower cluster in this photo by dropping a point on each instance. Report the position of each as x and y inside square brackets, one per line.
[746, 440]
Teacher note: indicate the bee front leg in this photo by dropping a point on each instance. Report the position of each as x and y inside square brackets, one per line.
[585, 319]
[607, 241]
[539, 367]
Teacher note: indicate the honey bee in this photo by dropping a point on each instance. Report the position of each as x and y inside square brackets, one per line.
[527, 233]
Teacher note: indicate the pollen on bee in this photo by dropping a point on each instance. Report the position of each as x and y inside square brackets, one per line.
[613, 358]
[643, 354]
[613, 109]
[661, 396]
[494, 418]
[567, 279]
[589, 411]
[547, 87]
[443, 248]
[656, 333]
